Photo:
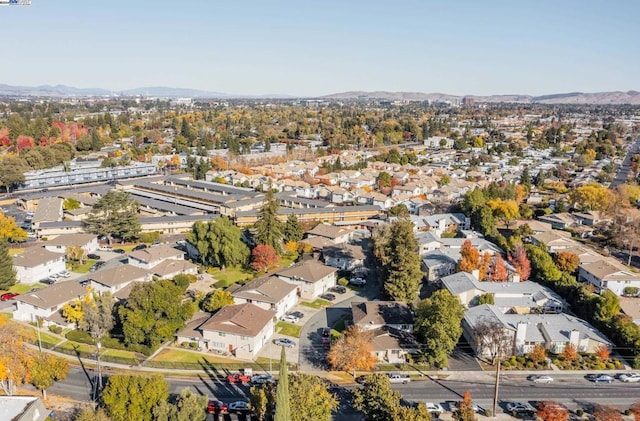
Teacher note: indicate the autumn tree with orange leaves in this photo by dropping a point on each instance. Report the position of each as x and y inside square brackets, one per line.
[499, 273]
[469, 258]
[607, 413]
[552, 411]
[353, 351]
[518, 258]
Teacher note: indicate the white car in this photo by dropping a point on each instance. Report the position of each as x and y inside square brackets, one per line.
[239, 406]
[358, 282]
[630, 378]
[543, 379]
[434, 407]
[65, 274]
[290, 319]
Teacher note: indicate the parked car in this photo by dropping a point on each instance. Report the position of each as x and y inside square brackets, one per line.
[290, 318]
[93, 256]
[217, 407]
[434, 408]
[8, 296]
[541, 379]
[287, 343]
[398, 378]
[238, 378]
[48, 281]
[139, 247]
[328, 297]
[297, 314]
[55, 276]
[520, 407]
[453, 406]
[119, 251]
[339, 289]
[65, 274]
[262, 379]
[630, 378]
[239, 406]
[96, 266]
[599, 378]
[361, 379]
[358, 282]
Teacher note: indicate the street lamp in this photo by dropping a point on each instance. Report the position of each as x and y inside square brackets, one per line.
[99, 382]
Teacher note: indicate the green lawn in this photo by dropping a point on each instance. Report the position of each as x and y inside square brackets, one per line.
[83, 268]
[288, 329]
[230, 276]
[317, 304]
[180, 356]
[79, 347]
[23, 288]
[118, 353]
[287, 260]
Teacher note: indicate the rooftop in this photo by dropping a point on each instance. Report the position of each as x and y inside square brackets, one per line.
[270, 289]
[242, 319]
[54, 295]
[35, 256]
[308, 271]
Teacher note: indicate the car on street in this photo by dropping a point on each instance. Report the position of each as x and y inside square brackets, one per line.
[398, 378]
[217, 407]
[328, 297]
[630, 378]
[290, 318]
[339, 289]
[453, 406]
[520, 408]
[434, 408]
[361, 379]
[239, 406]
[541, 379]
[599, 378]
[93, 256]
[48, 281]
[358, 282]
[287, 343]
[8, 296]
[238, 378]
[262, 379]
[297, 314]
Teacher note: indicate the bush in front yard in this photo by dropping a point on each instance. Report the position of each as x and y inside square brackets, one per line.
[80, 336]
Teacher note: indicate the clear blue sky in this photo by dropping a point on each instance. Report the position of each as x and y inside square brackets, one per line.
[310, 47]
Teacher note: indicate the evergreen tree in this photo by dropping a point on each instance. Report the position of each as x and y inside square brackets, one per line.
[283, 410]
[401, 272]
[7, 273]
[292, 229]
[269, 228]
[114, 215]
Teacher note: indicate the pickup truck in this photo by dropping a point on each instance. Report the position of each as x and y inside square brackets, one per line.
[398, 378]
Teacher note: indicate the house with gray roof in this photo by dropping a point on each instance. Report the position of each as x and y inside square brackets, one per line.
[115, 279]
[608, 274]
[47, 303]
[267, 292]
[439, 263]
[311, 277]
[391, 346]
[516, 297]
[37, 263]
[343, 256]
[49, 210]
[552, 331]
[369, 315]
[152, 256]
[337, 235]
[59, 244]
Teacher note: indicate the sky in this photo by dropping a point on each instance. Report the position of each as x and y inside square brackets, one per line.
[313, 48]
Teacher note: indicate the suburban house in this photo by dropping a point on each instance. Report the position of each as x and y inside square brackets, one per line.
[439, 263]
[369, 315]
[554, 240]
[49, 209]
[337, 235]
[115, 279]
[608, 273]
[552, 331]
[59, 244]
[510, 297]
[47, 303]
[37, 263]
[344, 256]
[311, 277]
[23, 408]
[392, 345]
[241, 330]
[152, 256]
[560, 221]
[168, 269]
[268, 293]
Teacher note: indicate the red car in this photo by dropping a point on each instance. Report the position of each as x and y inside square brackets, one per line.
[238, 378]
[217, 407]
[8, 296]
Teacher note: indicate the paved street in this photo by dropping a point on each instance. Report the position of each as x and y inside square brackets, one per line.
[622, 176]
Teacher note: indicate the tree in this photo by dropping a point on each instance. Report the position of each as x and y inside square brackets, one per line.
[492, 340]
[310, 398]
[602, 352]
[438, 326]
[401, 274]
[570, 353]
[98, 316]
[567, 261]
[7, 272]
[283, 408]
[607, 306]
[499, 273]
[90, 414]
[552, 411]
[219, 242]
[46, 369]
[217, 299]
[71, 204]
[258, 402]
[485, 264]
[9, 231]
[352, 351]
[383, 179]
[538, 354]
[133, 397]
[507, 210]
[153, 313]
[469, 258]
[73, 311]
[519, 259]
[263, 258]
[591, 197]
[376, 400]
[14, 360]
[464, 409]
[75, 254]
[635, 410]
[542, 265]
[189, 406]
[114, 215]
[607, 413]
[268, 229]
[486, 298]
[12, 169]
[292, 229]
[399, 211]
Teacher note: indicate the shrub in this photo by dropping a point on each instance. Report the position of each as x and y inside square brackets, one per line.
[80, 336]
[488, 413]
[193, 345]
[343, 281]
[520, 359]
[55, 329]
[113, 343]
[579, 412]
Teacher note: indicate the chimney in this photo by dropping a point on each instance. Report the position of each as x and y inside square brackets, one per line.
[476, 274]
[521, 335]
[574, 338]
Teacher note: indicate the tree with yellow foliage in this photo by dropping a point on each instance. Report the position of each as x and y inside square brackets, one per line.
[593, 196]
[73, 312]
[507, 210]
[14, 360]
[9, 230]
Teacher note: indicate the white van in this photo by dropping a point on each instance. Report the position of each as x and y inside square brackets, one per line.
[399, 378]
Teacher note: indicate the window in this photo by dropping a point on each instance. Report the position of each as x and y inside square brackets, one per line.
[222, 334]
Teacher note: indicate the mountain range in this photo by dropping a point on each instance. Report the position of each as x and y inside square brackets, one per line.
[614, 97]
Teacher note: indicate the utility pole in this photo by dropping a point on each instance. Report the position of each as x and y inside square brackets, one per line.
[495, 390]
